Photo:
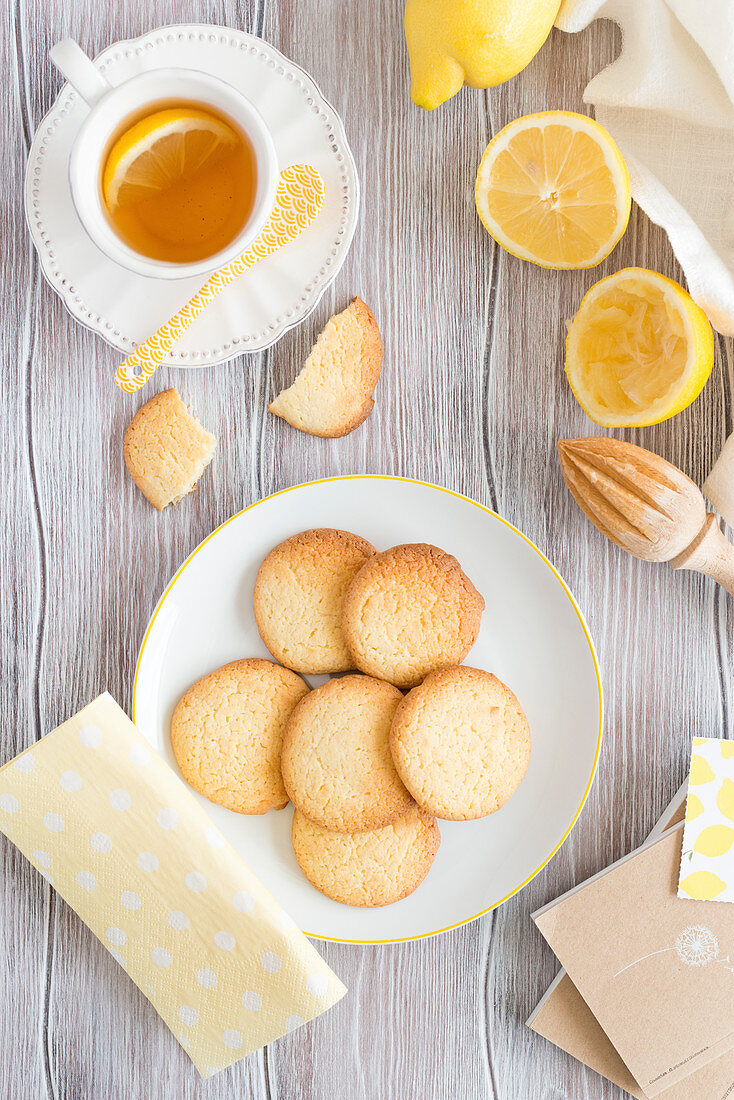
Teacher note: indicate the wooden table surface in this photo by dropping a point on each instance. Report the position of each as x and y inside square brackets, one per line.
[472, 397]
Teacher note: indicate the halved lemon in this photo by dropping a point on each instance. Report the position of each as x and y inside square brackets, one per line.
[553, 188]
[160, 149]
[639, 350]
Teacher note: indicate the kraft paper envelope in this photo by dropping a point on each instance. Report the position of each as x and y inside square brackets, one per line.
[564, 1018]
[567, 1021]
[654, 969]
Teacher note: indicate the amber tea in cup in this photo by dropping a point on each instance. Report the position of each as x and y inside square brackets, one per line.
[179, 181]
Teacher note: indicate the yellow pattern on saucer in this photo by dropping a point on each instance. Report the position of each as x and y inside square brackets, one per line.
[125, 842]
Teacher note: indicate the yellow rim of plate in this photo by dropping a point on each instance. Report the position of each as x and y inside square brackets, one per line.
[559, 578]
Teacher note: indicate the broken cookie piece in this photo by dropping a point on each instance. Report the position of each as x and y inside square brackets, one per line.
[332, 395]
[166, 449]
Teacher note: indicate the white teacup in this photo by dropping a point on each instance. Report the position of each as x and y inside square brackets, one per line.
[110, 106]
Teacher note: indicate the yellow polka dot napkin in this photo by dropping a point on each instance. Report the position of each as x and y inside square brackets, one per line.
[124, 841]
[707, 862]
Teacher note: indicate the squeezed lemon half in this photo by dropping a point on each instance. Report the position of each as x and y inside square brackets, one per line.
[553, 188]
[639, 350]
[160, 149]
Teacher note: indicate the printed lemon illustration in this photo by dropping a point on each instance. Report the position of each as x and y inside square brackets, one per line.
[725, 799]
[475, 42]
[700, 770]
[694, 807]
[727, 749]
[714, 841]
[703, 885]
[160, 149]
[638, 351]
[553, 188]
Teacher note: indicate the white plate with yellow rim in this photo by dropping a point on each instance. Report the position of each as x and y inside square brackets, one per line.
[254, 311]
[533, 637]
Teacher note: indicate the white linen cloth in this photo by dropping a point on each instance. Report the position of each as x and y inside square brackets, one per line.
[668, 101]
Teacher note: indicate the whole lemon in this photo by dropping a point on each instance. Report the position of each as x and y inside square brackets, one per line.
[475, 42]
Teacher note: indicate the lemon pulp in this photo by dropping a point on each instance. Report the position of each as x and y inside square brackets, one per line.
[639, 350]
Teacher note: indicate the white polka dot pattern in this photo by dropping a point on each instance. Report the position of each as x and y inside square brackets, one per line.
[224, 940]
[135, 854]
[243, 901]
[214, 838]
[120, 799]
[100, 842]
[317, 984]
[167, 818]
[90, 736]
[139, 755]
[232, 1038]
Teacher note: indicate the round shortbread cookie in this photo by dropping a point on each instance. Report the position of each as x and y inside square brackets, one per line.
[461, 743]
[336, 761]
[299, 593]
[376, 867]
[408, 611]
[227, 732]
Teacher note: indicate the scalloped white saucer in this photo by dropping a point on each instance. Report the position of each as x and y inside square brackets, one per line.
[275, 295]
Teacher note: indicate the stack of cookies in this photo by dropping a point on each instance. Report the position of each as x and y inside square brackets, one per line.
[370, 759]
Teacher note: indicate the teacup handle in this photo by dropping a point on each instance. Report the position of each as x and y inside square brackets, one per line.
[70, 59]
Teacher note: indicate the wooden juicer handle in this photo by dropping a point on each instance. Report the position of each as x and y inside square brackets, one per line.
[710, 553]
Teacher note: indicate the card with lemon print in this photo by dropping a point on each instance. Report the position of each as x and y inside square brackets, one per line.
[707, 862]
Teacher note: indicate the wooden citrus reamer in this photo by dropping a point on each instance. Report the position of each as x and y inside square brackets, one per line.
[646, 505]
